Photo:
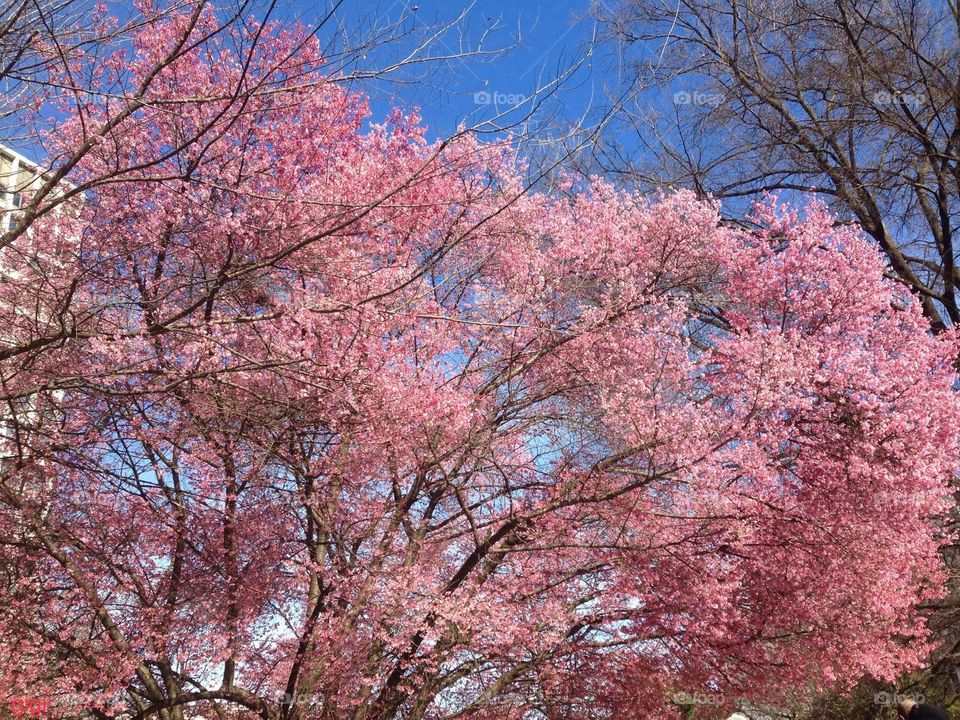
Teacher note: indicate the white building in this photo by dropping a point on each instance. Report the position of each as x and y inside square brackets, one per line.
[18, 175]
[20, 417]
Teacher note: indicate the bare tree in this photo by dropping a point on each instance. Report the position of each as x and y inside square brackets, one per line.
[855, 101]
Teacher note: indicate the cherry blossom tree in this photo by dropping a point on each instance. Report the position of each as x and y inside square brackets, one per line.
[59, 57]
[312, 418]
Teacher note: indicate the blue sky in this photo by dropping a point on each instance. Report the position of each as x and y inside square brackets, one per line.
[527, 46]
